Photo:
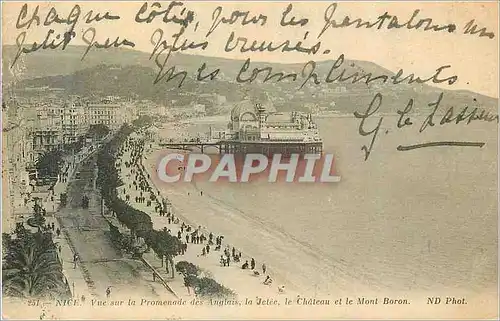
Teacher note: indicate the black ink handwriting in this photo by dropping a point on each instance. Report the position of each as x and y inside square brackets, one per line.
[243, 45]
[184, 18]
[429, 120]
[211, 75]
[267, 71]
[310, 75]
[403, 148]
[372, 109]
[462, 116]
[426, 24]
[402, 114]
[22, 15]
[53, 17]
[233, 18]
[472, 29]
[465, 115]
[50, 42]
[161, 46]
[98, 17]
[88, 37]
[291, 22]
[367, 78]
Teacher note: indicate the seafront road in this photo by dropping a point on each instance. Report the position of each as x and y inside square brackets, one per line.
[100, 262]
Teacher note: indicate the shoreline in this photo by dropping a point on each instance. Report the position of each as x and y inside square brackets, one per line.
[260, 238]
[230, 278]
[324, 265]
[179, 195]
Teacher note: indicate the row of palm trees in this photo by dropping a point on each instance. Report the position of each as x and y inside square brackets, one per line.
[31, 266]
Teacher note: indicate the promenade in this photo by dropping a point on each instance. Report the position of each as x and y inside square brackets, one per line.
[246, 283]
[83, 232]
[75, 276]
[103, 265]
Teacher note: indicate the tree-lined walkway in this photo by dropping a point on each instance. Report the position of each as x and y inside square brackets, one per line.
[89, 233]
[201, 245]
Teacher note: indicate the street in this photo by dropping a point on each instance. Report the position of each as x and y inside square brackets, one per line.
[88, 233]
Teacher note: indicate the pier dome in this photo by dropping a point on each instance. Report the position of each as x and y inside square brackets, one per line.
[244, 110]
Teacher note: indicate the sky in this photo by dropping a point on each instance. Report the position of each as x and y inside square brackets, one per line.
[472, 58]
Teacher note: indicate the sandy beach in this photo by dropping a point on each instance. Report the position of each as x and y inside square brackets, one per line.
[320, 239]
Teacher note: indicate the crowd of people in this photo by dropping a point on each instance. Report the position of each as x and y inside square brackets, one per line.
[186, 234]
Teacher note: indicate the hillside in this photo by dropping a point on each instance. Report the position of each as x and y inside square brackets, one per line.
[124, 72]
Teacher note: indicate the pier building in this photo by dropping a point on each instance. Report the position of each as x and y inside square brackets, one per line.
[254, 129]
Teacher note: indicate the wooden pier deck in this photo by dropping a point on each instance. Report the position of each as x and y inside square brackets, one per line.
[243, 147]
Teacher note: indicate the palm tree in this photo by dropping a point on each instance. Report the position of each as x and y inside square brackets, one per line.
[31, 267]
[50, 163]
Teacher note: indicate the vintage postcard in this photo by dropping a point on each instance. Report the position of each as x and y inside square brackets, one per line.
[249, 160]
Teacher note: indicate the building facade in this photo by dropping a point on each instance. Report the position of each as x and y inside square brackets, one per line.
[254, 129]
[106, 112]
[16, 152]
[253, 122]
[74, 123]
[46, 130]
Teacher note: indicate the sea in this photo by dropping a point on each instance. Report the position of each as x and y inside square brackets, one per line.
[418, 220]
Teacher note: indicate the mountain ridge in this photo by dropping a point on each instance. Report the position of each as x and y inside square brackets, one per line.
[135, 72]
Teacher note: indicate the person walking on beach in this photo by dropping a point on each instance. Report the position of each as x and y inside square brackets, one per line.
[264, 268]
[252, 264]
[75, 259]
[208, 248]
